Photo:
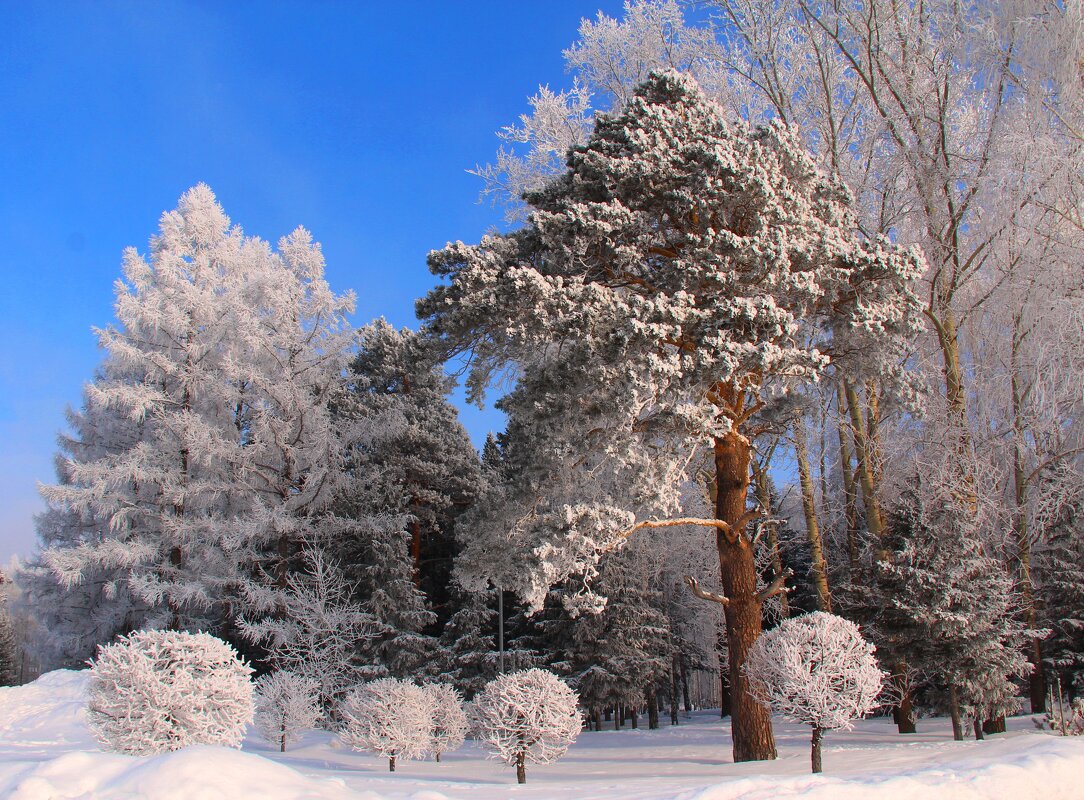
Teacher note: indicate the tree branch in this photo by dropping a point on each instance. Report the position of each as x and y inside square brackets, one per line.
[671, 523]
[715, 598]
[778, 586]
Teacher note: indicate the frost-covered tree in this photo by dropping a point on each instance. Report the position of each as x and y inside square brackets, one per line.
[620, 655]
[317, 632]
[468, 643]
[9, 645]
[287, 704]
[157, 691]
[428, 471]
[527, 716]
[1060, 567]
[388, 717]
[949, 608]
[816, 669]
[217, 384]
[609, 60]
[449, 720]
[681, 275]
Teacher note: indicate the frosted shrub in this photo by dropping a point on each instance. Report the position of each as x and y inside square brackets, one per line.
[286, 705]
[156, 691]
[527, 716]
[388, 717]
[815, 669]
[449, 720]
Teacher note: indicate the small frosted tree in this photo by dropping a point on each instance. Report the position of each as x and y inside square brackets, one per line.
[449, 720]
[286, 705]
[388, 717]
[815, 669]
[529, 715]
[157, 691]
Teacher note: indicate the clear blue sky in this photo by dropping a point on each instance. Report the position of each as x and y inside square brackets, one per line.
[354, 119]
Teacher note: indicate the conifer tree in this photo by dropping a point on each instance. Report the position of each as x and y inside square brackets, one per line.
[209, 457]
[680, 274]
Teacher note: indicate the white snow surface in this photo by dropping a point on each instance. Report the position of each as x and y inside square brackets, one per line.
[47, 753]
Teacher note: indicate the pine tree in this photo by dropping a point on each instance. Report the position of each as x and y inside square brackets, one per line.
[1059, 568]
[668, 283]
[468, 643]
[620, 654]
[948, 608]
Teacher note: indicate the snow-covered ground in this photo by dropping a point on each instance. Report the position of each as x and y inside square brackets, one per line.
[46, 753]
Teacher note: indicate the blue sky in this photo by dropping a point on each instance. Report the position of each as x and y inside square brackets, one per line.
[357, 120]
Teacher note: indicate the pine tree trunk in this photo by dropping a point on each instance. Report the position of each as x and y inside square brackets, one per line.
[812, 526]
[634, 716]
[596, 718]
[685, 687]
[652, 710]
[674, 691]
[954, 712]
[751, 723]
[994, 725]
[521, 768]
[905, 719]
[978, 730]
[815, 755]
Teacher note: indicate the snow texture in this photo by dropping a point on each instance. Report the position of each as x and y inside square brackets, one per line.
[156, 691]
[47, 753]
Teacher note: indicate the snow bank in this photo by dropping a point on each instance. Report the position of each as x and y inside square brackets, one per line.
[1022, 767]
[47, 753]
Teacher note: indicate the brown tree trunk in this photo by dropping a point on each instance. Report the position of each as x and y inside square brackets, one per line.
[978, 730]
[634, 717]
[596, 718]
[685, 687]
[751, 723]
[652, 710]
[815, 755]
[391, 763]
[954, 712]
[905, 711]
[674, 691]
[521, 768]
[994, 725]
[812, 526]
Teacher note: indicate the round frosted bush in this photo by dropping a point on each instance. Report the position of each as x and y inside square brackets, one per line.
[815, 669]
[287, 705]
[156, 691]
[530, 715]
[389, 717]
[449, 720]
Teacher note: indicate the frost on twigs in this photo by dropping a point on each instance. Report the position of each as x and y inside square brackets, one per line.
[527, 716]
[815, 669]
[388, 717]
[286, 705]
[449, 720]
[157, 691]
